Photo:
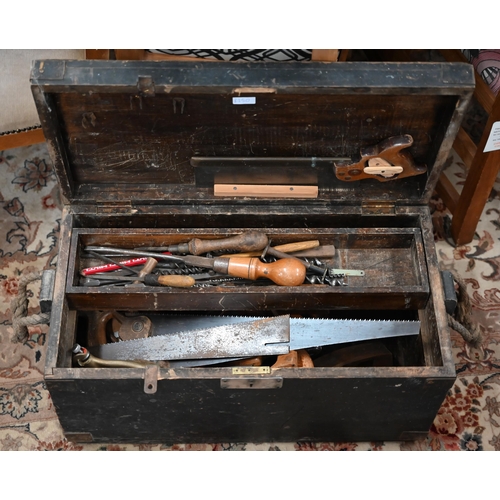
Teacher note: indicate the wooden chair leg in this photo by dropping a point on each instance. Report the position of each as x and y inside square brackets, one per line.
[473, 198]
[477, 188]
[447, 192]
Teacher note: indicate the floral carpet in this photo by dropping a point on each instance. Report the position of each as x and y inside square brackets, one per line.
[469, 418]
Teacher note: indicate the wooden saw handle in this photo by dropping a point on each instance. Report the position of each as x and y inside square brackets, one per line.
[392, 150]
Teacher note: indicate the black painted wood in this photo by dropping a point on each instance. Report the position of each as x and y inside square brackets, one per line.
[123, 135]
[345, 405]
[131, 130]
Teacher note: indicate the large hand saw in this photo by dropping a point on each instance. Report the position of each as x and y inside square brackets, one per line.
[215, 338]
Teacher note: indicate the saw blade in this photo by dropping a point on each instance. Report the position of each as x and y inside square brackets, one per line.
[307, 333]
[265, 336]
[304, 333]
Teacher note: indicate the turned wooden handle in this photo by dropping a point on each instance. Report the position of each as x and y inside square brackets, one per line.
[325, 251]
[149, 266]
[287, 247]
[285, 272]
[177, 281]
[251, 240]
[294, 359]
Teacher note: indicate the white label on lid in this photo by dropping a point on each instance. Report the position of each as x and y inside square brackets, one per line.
[493, 142]
[244, 100]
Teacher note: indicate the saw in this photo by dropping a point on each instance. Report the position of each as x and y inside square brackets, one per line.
[211, 339]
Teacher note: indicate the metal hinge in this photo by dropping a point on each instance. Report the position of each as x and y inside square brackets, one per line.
[378, 208]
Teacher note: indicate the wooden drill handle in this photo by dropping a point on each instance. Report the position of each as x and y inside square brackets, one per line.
[285, 272]
[288, 248]
[251, 240]
[177, 281]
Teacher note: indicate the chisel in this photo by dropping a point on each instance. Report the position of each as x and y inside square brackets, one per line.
[245, 242]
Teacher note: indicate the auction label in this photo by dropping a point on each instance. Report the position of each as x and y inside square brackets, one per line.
[244, 100]
[493, 142]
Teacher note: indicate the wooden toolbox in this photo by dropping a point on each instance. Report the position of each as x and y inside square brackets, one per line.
[155, 154]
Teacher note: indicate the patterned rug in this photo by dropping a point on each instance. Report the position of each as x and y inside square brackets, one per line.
[469, 418]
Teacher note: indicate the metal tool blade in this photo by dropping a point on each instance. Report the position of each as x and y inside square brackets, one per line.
[304, 333]
[267, 336]
[307, 333]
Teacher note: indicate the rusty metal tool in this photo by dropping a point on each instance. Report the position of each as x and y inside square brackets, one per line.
[244, 242]
[267, 336]
[111, 264]
[282, 255]
[285, 272]
[193, 337]
[319, 270]
[82, 357]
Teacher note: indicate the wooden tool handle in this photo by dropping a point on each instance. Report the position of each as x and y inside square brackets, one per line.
[285, 272]
[251, 240]
[294, 359]
[325, 251]
[392, 151]
[148, 267]
[177, 281]
[288, 248]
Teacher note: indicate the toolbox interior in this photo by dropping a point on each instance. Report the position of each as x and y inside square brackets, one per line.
[395, 285]
[392, 260]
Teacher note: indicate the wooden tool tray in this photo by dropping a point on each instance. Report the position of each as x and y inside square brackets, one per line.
[392, 259]
[139, 149]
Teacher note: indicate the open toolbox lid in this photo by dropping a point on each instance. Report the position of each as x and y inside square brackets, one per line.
[165, 132]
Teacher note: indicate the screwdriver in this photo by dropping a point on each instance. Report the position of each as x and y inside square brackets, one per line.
[285, 272]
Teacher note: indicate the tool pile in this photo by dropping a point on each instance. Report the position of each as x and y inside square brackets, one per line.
[238, 260]
[201, 340]
[124, 340]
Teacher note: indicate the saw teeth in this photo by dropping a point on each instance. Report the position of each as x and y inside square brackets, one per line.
[196, 330]
[258, 318]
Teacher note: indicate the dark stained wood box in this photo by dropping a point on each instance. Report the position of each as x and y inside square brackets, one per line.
[137, 148]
